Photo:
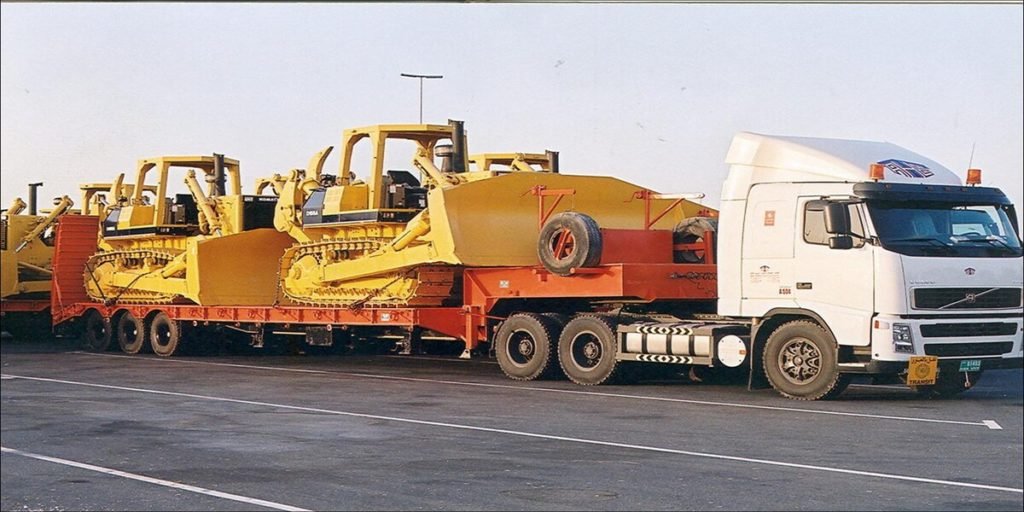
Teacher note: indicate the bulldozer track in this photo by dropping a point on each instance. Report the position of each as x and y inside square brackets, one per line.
[424, 285]
[100, 289]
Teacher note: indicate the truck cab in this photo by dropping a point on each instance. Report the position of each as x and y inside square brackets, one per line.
[864, 257]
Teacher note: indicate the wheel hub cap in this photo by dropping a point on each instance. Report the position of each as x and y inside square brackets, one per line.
[800, 361]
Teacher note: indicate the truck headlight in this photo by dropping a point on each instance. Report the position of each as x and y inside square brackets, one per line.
[902, 338]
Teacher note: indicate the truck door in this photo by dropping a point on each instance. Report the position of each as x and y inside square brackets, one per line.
[768, 233]
[837, 284]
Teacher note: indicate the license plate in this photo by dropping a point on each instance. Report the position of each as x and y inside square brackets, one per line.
[922, 370]
[970, 365]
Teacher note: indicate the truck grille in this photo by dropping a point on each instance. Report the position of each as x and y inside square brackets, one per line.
[967, 349]
[966, 298]
[971, 329]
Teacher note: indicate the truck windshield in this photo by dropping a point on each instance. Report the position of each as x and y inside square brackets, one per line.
[945, 230]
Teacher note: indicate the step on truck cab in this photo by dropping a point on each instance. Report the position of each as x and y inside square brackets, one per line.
[854, 257]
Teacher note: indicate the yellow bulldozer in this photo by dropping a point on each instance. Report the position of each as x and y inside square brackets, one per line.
[393, 238]
[26, 246]
[216, 247]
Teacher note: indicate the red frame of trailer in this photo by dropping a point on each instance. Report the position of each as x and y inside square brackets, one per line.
[631, 274]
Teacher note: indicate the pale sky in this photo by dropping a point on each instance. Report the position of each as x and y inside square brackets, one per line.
[649, 93]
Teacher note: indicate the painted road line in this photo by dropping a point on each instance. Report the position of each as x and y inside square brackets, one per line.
[166, 483]
[529, 388]
[551, 437]
[992, 424]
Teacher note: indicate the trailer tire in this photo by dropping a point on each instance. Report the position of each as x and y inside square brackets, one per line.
[949, 385]
[801, 362]
[131, 334]
[587, 349]
[165, 335]
[558, 321]
[569, 241]
[526, 344]
[96, 335]
[689, 231]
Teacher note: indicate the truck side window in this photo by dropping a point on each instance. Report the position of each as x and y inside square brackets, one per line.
[814, 224]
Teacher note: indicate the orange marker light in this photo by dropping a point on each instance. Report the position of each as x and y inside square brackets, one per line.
[974, 176]
[877, 172]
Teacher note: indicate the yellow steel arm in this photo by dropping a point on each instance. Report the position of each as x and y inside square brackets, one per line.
[275, 182]
[62, 207]
[17, 206]
[212, 219]
[316, 164]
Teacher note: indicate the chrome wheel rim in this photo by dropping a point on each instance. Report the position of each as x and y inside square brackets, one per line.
[800, 361]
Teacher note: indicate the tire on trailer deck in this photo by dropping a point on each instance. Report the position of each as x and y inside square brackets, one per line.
[96, 332]
[587, 349]
[689, 231]
[525, 345]
[801, 362]
[131, 334]
[569, 241]
[165, 335]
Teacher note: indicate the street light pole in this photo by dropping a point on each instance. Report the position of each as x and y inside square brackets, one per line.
[421, 77]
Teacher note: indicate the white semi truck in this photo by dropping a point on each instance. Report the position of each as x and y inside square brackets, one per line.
[840, 257]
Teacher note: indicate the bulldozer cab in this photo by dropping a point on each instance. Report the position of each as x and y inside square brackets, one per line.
[133, 213]
[376, 194]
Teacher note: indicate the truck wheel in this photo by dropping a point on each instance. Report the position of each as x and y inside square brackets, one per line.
[165, 335]
[949, 384]
[690, 231]
[569, 241]
[558, 321]
[800, 359]
[525, 345]
[587, 349]
[131, 334]
[96, 336]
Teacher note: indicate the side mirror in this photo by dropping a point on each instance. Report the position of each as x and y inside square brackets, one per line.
[840, 242]
[837, 219]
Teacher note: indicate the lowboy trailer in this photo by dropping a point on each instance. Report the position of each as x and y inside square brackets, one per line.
[829, 259]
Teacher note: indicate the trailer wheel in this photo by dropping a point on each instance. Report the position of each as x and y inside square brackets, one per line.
[525, 345]
[948, 385]
[96, 335]
[690, 231]
[569, 241]
[587, 349]
[165, 335]
[131, 334]
[800, 360]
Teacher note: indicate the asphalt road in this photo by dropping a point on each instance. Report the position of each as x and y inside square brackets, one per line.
[229, 432]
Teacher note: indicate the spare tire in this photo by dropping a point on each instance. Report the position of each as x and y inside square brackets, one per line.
[568, 241]
[692, 230]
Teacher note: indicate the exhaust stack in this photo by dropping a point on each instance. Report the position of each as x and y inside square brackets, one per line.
[32, 196]
[458, 146]
[218, 180]
[552, 160]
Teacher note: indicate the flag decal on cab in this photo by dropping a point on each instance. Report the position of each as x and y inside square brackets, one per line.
[908, 169]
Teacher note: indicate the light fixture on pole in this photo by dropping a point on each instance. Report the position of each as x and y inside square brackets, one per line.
[421, 77]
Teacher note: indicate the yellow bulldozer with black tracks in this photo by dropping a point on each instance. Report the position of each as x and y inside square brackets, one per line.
[212, 247]
[400, 237]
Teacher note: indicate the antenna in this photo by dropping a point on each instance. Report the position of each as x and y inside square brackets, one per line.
[971, 160]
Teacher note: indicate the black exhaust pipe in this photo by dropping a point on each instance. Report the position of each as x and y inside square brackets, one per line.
[218, 178]
[552, 160]
[458, 145]
[32, 196]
